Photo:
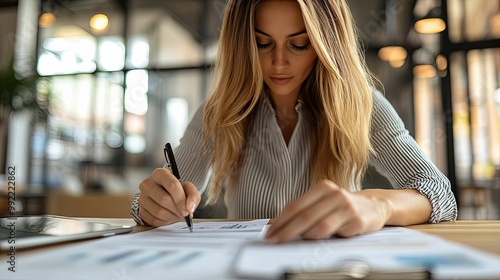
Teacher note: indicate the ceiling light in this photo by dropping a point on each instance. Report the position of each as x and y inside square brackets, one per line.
[441, 62]
[46, 20]
[424, 71]
[99, 23]
[397, 63]
[495, 24]
[393, 54]
[432, 23]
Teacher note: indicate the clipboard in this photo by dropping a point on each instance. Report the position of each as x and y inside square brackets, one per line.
[295, 267]
[356, 269]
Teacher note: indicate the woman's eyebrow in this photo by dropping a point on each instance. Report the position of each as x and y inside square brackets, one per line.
[291, 35]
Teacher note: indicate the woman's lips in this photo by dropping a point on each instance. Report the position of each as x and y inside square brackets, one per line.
[281, 80]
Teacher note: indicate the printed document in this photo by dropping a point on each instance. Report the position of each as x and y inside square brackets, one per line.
[236, 250]
[389, 249]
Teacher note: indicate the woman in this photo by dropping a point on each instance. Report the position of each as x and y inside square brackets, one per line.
[289, 130]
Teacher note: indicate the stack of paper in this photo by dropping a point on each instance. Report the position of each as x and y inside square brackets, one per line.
[390, 252]
[235, 250]
[169, 252]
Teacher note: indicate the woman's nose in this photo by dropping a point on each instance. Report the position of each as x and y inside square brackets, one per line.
[280, 59]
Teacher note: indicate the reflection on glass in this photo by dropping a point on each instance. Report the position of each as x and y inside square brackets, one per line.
[476, 114]
[136, 98]
[423, 121]
[89, 113]
[69, 54]
[135, 144]
[429, 131]
[481, 87]
[55, 149]
[111, 53]
[473, 20]
[175, 45]
[72, 97]
[177, 119]
[134, 124]
[138, 51]
[114, 139]
[53, 225]
[109, 99]
[85, 123]
[461, 125]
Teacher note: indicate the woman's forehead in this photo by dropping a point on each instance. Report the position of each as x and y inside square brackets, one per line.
[279, 14]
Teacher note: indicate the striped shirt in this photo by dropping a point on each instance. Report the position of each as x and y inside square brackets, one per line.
[275, 173]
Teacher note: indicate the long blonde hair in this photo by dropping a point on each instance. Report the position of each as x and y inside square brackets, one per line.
[338, 92]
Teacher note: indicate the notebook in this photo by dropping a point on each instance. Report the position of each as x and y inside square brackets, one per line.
[31, 231]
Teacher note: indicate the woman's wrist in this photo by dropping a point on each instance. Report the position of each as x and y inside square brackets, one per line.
[401, 207]
[382, 204]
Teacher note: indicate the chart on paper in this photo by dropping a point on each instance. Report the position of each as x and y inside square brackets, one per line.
[121, 256]
[164, 253]
[216, 227]
[133, 257]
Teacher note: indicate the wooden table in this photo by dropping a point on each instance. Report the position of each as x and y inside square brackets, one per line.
[483, 235]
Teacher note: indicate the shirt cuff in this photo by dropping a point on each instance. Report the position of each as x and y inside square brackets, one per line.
[134, 210]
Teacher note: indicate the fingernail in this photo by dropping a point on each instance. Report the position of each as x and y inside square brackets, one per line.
[192, 207]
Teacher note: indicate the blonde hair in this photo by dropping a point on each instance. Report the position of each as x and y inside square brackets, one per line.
[338, 92]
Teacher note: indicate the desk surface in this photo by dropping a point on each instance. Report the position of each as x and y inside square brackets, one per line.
[483, 235]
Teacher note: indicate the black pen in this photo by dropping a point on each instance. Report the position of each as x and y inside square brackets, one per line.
[169, 157]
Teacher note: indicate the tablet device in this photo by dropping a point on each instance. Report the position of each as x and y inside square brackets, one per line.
[30, 231]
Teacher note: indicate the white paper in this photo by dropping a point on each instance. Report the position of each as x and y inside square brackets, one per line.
[390, 249]
[205, 229]
[212, 252]
[169, 252]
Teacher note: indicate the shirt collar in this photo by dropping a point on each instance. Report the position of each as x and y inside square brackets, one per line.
[267, 102]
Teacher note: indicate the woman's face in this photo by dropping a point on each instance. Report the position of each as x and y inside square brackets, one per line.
[285, 52]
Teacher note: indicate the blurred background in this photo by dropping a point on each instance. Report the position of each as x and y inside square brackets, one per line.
[91, 90]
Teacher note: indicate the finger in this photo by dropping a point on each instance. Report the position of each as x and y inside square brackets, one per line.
[326, 227]
[150, 219]
[154, 221]
[293, 209]
[160, 215]
[193, 196]
[313, 218]
[163, 177]
[159, 195]
[350, 229]
[371, 219]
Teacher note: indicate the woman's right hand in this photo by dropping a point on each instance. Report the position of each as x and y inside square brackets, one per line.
[164, 200]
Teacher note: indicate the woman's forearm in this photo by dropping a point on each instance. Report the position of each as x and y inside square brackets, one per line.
[406, 207]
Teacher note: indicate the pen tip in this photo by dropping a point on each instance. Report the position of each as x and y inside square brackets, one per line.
[191, 229]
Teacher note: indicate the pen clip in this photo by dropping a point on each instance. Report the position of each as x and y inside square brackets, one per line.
[168, 164]
[170, 159]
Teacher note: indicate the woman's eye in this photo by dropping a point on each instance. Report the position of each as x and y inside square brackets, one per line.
[301, 48]
[262, 46]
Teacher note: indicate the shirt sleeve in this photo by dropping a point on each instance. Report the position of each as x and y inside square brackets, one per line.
[402, 162]
[192, 157]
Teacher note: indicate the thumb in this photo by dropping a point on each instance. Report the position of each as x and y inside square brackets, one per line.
[193, 196]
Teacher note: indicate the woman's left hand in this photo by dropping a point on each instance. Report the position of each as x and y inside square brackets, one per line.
[325, 210]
